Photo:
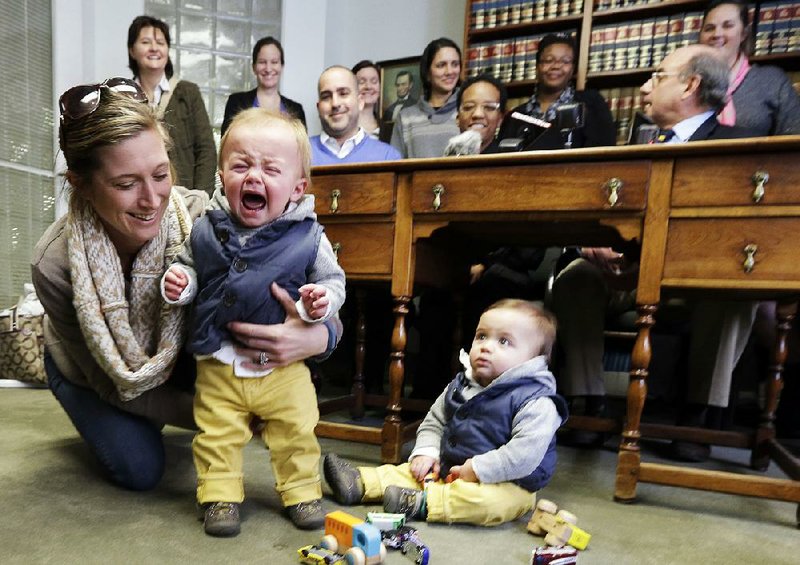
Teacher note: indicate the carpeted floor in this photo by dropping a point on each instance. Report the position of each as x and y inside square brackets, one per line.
[57, 509]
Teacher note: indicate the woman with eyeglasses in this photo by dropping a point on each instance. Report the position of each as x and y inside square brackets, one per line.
[113, 348]
[268, 62]
[556, 61]
[423, 130]
[761, 98]
[178, 102]
[368, 75]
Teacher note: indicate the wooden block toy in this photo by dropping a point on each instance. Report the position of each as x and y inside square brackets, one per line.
[558, 527]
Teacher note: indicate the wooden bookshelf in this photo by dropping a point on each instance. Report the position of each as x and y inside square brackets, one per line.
[622, 67]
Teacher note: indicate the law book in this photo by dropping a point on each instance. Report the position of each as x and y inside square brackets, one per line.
[491, 13]
[478, 14]
[691, 28]
[507, 60]
[577, 7]
[473, 59]
[781, 26]
[486, 57]
[621, 47]
[609, 40]
[766, 17]
[624, 119]
[515, 12]
[539, 9]
[794, 35]
[526, 11]
[503, 12]
[518, 59]
[564, 7]
[596, 49]
[660, 33]
[646, 43]
[552, 9]
[531, 48]
[674, 33]
[634, 40]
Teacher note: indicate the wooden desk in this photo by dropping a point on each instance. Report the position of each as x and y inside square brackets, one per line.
[699, 215]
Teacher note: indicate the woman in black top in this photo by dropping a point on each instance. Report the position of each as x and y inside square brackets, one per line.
[268, 61]
[555, 68]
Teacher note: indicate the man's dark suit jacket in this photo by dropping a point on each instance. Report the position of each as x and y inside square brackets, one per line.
[712, 129]
[239, 101]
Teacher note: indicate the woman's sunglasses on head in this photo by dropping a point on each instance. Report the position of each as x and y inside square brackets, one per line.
[80, 101]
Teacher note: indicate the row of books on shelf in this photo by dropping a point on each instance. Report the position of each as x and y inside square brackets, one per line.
[604, 5]
[778, 28]
[510, 60]
[487, 14]
[641, 44]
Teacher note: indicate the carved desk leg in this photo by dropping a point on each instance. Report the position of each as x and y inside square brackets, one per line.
[629, 456]
[357, 410]
[784, 314]
[392, 434]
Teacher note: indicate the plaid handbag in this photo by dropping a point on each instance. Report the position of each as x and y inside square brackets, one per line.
[22, 348]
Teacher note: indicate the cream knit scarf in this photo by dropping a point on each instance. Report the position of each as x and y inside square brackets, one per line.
[136, 340]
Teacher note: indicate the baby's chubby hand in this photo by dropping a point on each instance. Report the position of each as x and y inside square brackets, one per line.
[174, 282]
[315, 300]
[465, 472]
[422, 465]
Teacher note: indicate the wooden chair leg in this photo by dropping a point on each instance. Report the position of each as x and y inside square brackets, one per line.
[784, 314]
[357, 390]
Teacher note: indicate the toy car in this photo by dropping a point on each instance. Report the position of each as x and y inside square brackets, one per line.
[394, 539]
[554, 556]
[385, 520]
[417, 551]
[360, 542]
[315, 555]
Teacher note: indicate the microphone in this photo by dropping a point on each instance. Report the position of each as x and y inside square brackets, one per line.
[465, 143]
[569, 117]
[643, 130]
[527, 135]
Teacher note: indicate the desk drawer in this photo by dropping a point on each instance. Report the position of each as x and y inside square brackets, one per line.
[363, 249]
[715, 248]
[358, 193]
[728, 181]
[567, 186]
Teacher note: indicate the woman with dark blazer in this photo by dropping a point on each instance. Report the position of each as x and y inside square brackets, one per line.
[268, 61]
[556, 62]
[178, 102]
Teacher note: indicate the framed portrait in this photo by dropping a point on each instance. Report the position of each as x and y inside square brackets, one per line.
[400, 86]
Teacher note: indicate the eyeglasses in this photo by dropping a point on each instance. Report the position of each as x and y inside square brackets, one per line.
[487, 107]
[80, 101]
[552, 61]
[656, 76]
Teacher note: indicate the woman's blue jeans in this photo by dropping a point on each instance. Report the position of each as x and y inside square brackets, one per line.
[129, 447]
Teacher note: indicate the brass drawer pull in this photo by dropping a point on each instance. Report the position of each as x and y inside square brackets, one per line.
[438, 190]
[336, 247]
[760, 178]
[335, 194]
[749, 263]
[613, 186]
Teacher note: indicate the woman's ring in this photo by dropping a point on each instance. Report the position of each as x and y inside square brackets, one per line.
[262, 358]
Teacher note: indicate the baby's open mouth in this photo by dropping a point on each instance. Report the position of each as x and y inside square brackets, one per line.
[253, 201]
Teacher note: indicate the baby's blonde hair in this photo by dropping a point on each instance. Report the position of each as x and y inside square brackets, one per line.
[544, 320]
[262, 118]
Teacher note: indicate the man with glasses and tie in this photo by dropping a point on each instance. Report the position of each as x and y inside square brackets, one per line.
[682, 97]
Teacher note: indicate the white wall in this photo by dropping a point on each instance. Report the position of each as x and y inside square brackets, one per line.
[90, 35]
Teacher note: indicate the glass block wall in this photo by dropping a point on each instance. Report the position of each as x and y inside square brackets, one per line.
[212, 42]
[27, 160]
